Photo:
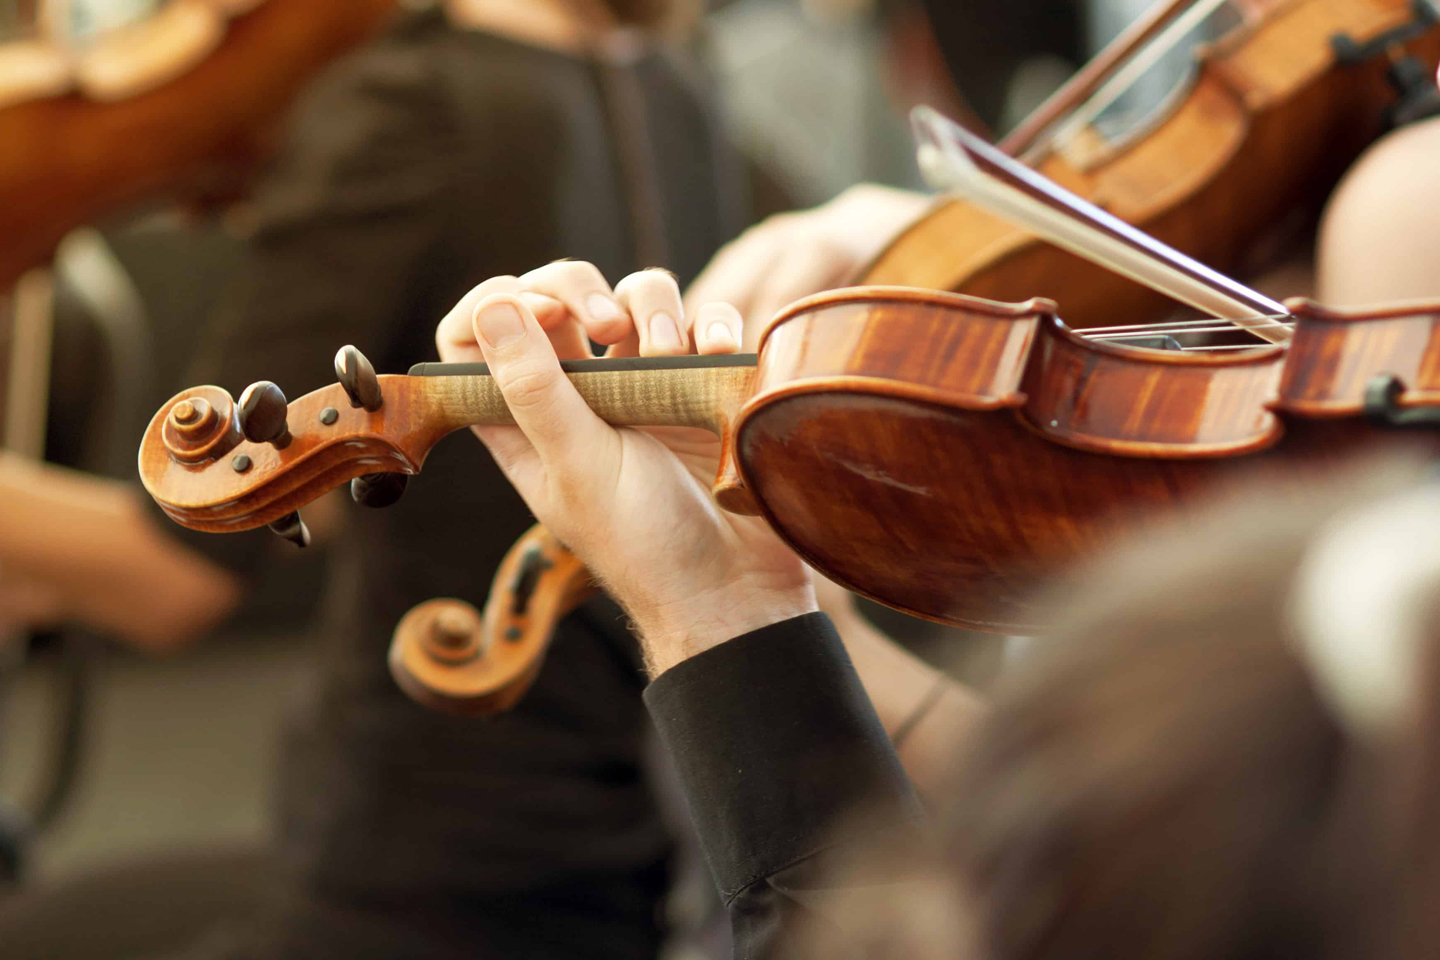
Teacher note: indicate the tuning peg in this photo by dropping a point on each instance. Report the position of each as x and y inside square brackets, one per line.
[532, 566]
[358, 378]
[262, 414]
[378, 489]
[292, 528]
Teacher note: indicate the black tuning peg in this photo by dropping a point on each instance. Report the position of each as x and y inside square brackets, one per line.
[378, 489]
[292, 528]
[358, 378]
[262, 414]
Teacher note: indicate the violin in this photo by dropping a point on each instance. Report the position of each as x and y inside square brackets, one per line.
[68, 159]
[936, 452]
[1274, 112]
[450, 657]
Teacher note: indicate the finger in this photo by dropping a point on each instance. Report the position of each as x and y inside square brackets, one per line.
[652, 298]
[568, 437]
[582, 288]
[718, 329]
[570, 342]
[455, 334]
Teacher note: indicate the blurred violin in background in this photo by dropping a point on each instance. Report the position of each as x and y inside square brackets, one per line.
[181, 104]
[1273, 110]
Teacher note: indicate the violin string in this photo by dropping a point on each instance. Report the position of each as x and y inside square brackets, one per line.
[1140, 335]
[1229, 346]
[1182, 325]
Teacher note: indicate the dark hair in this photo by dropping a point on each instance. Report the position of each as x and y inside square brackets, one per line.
[1165, 782]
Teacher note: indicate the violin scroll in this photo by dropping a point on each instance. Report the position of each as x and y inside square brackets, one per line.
[200, 425]
[449, 657]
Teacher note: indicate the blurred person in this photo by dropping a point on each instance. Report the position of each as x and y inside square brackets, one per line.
[1379, 236]
[402, 832]
[1225, 750]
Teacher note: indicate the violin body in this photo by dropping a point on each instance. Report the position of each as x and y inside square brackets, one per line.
[1270, 123]
[944, 455]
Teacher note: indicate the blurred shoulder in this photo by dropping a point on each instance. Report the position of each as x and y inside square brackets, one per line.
[1380, 236]
[376, 129]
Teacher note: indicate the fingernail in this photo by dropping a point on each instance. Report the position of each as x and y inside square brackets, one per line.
[721, 333]
[500, 324]
[664, 332]
[602, 308]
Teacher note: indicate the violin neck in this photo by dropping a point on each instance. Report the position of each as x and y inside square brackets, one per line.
[702, 392]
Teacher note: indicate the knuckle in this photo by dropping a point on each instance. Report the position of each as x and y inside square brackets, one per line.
[564, 276]
[503, 284]
[654, 284]
[527, 386]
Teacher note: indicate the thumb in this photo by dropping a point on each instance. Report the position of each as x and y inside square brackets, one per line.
[565, 432]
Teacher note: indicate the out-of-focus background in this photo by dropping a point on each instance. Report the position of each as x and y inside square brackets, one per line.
[120, 754]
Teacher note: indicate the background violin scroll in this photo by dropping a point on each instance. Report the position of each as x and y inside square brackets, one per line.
[447, 656]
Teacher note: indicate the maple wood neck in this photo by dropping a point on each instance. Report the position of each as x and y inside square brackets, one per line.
[690, 391]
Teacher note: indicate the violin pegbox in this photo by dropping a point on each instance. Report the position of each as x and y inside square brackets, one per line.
[219, 465]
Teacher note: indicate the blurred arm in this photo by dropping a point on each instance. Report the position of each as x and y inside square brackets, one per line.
[1379, 238]
[91, 545]
[934, 715]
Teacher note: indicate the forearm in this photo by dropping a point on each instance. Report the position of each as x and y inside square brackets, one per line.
[90, 540]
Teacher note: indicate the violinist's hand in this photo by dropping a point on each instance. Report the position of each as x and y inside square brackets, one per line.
[794, 255]
[634, 505]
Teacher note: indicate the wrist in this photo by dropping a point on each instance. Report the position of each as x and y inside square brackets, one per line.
[675, 632]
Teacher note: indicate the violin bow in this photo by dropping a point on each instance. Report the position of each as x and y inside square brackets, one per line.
[954, 159]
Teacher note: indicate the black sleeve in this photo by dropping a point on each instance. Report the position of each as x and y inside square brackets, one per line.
[347, 222]
[778, 747]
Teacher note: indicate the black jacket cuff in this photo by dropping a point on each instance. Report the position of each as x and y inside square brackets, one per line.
[776, 744]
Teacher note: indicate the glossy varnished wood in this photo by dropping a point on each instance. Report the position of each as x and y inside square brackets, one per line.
[486, 665]
[67, 160]
[938, 453]
[956, 501]
[1147, 403]
[1337, 352]
[1269, 126]
[417, 412]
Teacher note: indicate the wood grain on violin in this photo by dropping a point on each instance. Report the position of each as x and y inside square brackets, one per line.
[935, 452]
[1269, 124]
[68, 160]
